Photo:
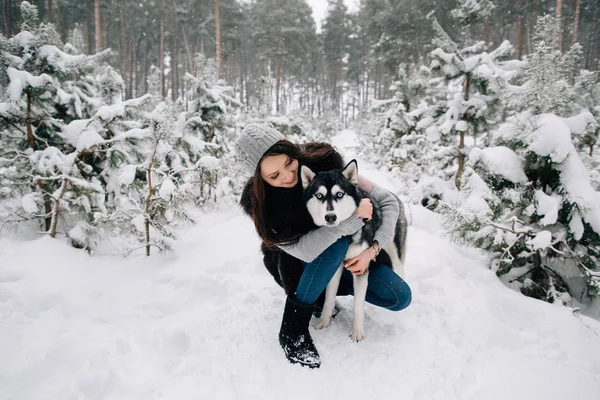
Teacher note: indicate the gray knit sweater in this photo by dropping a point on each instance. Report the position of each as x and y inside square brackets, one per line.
[316, 241]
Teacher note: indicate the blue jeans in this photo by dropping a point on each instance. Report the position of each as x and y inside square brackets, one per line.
[386, 289]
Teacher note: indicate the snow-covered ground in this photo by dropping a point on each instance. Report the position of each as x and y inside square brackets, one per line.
[203, 324]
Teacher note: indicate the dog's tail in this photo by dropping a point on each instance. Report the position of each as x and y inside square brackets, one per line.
[399, 247]
[401, 231]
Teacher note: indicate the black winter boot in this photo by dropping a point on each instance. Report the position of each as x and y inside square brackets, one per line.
[294, 337]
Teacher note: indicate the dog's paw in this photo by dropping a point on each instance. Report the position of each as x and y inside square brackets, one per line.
[357, 334]
[322, 323]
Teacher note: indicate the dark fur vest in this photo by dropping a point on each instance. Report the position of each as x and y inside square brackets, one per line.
[288, 218]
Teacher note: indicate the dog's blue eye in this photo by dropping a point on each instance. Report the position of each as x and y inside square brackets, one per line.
[340, 195]
[319, 196]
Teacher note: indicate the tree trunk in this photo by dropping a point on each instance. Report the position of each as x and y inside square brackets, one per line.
[461, 144]
[151, 190]
[186, 43]
[135, 69]
[47, 205]
[218, 36]
[278, 74]
[30, 138]
[60, 23]
[131, 68]
[558, 15]
[122, 41]
[54, 221]
[173, 68]
[147, 213]
[576, 22]
[518, 22]
[7, 17]
[50, 13]
[98, 22]
[162, 51]
[90, 32]
[145, 65]
[590, 54]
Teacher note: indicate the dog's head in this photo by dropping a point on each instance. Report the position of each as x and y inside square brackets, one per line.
[331, 196]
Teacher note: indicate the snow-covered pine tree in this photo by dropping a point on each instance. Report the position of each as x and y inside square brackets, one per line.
[530, 203]
[75, 43]
[395, 143]
[206, 132]
[475, 81]
[550, 78]
[145, 180]
[47, 88]
[529, 200]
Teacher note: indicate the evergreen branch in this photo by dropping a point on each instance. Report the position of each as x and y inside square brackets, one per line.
[527, 231]
[14, 126]
[577, 258]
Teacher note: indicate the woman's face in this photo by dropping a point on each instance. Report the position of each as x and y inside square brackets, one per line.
[279, 171]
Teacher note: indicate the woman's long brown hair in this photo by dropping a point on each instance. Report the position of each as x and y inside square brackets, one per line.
[310, 152]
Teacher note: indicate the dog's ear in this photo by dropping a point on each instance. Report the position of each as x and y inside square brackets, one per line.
[350, 172]
[307, 176]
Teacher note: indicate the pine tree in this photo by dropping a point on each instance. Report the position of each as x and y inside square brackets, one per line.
[549, 80]
[529, 201]
[475, 83]
[206, 130]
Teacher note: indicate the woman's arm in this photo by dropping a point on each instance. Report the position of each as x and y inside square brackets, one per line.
[312, 244]
[390, 210]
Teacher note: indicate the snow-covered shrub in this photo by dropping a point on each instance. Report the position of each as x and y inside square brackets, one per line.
[530, 203]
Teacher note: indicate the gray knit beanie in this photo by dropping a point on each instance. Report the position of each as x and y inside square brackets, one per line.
[253, 143]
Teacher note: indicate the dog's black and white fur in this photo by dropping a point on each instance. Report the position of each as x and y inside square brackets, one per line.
[331, 197]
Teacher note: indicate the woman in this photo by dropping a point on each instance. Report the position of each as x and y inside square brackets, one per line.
[301, 257]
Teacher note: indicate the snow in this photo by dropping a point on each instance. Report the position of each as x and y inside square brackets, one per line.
[576, 226]
[48, 159]
[23, 39]
[29, 203]
[551, 138]
[203, 323]
[88, 138]
[108, 113]
[541, 240]
[477, 205]
[461, 126]
[127, 175]
[168, 327]
[72, 131]
[548, 206]
[77, 233]
[581, 123]
[60, 60]
[20, 80]
[500, 160]
[167, 189]
[209, 163]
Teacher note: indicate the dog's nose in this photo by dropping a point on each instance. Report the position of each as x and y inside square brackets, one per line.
[330, 218]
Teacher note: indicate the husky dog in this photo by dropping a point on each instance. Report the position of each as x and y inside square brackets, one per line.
[331, 197]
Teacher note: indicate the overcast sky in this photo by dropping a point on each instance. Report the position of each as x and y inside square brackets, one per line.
[320, 9]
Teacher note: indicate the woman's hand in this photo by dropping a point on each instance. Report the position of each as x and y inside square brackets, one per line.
[359, 264]
[365, 209]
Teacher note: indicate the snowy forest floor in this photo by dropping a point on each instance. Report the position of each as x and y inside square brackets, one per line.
[202, 323]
